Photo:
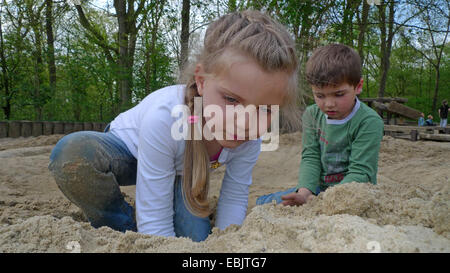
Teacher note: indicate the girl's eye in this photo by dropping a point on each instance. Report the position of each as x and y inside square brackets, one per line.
[230, 99]
[339, 94]
[319, 96]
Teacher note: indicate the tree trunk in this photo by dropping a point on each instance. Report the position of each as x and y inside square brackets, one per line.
[386, 44]
[436, 87]
[123, 60]
[184, 52]
[345, 22]
[362, 30]
[150, 71]
[50, 51]
[7, 106]
[37, 75]
[35, 22]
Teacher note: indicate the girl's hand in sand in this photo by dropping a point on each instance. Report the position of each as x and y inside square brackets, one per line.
[297, 198]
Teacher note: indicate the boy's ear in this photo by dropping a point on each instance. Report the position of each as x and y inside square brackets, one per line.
[359, 86]
[199, 78]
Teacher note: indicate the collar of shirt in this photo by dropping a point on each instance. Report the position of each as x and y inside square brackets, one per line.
[347, 118]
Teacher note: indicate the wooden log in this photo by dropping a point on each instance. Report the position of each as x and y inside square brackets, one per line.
[380, 106]
[96, 126]
[103, 126]
[14, 129]
[384, 100]
[407, 129]
[47, 128]
[439, 137]
[36, 128]
[68, 127]
[99, 126]
[4, 128]
[26, 129]
[87, 126]
[58, 127]
[403, 110]
[414, 135]
[77, 126]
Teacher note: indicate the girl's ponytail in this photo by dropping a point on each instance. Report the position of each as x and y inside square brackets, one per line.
[196, 163]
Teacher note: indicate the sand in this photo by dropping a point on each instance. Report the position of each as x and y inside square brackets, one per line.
[407, 211]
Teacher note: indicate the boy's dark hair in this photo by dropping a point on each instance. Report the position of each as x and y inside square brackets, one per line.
[444, 102]
[332, 65]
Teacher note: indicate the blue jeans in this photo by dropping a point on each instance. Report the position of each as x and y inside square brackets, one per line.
[443, 122]
[89, 167]
[277, 196]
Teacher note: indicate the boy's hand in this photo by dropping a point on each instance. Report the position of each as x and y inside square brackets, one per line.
[299, 198]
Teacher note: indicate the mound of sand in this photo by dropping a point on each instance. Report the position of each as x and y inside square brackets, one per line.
[408, 211]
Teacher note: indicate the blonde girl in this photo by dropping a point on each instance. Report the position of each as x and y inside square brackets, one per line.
[247, 59]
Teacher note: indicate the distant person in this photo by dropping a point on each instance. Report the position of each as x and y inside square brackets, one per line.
[341, 135]
[248, 59]
[421, 120]
[429, 121]
[443, 113]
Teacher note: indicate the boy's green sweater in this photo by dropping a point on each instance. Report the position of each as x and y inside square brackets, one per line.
[339, 153]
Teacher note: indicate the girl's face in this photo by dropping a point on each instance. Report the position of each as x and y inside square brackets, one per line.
[245, 84]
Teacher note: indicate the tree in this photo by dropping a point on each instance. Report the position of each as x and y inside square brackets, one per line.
[362, 26]
[388, 28]
[386, 38]
[5, 78]
[430, 48]
[33, 12]
[150, 38]
[50, 48]
[184, 39]
[128, 27]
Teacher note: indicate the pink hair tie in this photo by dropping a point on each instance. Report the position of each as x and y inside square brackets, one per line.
[193, 119]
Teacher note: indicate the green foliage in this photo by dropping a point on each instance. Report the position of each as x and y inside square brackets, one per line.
[87, 86]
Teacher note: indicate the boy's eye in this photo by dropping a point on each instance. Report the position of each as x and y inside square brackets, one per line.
[339, 94]
[319, 96]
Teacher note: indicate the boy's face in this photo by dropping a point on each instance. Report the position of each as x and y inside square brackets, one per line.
[337, 101]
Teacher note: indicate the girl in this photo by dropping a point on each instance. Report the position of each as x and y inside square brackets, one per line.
[247, 59]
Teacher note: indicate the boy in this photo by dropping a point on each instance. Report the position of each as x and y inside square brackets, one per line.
[341, 135]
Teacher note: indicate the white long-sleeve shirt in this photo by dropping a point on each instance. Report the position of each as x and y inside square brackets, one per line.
[146, 130]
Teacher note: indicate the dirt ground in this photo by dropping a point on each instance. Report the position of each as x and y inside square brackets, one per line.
[407, 211]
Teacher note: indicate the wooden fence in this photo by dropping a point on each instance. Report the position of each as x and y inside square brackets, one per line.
[415, 133]
[25, 128]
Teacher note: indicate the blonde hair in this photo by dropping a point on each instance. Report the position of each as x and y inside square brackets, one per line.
[265, 41]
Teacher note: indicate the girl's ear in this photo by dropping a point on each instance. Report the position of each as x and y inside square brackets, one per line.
[199, 78]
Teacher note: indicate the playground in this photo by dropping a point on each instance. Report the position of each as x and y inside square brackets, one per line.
[407, 211]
